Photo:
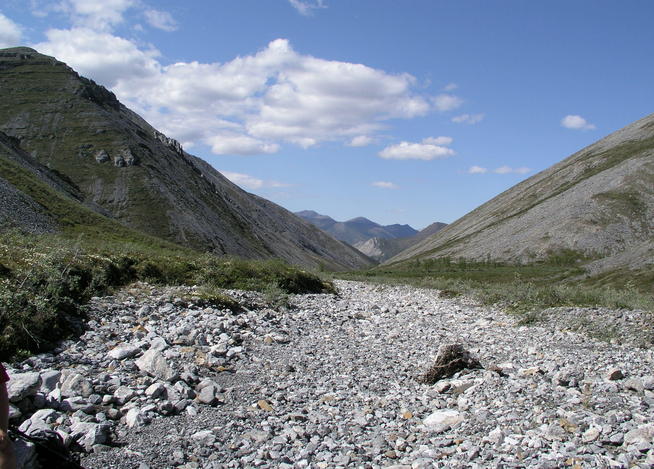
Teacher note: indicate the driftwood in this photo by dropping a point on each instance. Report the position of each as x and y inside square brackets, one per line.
[451, 358]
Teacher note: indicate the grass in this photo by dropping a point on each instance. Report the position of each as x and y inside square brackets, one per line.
[522, 289]
[46, 280]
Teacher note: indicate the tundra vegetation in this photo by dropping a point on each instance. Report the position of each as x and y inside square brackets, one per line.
[526, 289]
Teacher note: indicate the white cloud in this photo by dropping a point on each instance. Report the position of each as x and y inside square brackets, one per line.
[239, 145]
[100, 15]
[251, 182]
[271, 97]
[500, 170]
[385, 185]
[306, 7]
[361, 141]
[160, 20]
[446, 102]
[468, 118]
[510, 170]
[477, 170]
[429, 149]
[572, 121]
[450, 87]
[108, 59]
[438, 140]
[10, 33]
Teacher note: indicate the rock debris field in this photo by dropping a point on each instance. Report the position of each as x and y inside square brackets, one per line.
[326, 381]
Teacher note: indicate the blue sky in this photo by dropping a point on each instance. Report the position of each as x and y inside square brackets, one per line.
[400, 111]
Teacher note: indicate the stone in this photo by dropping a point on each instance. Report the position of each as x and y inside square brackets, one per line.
[451, 358]
[134, 418]
[75, 385]
[49, 380]
[614, 374]
[209, 394]
[89, 434]
[123, 351]
[23, 385]
[156, 390]
[642, 434]
[101, 156]
[443, 417]
[153, 363]
[123, 395]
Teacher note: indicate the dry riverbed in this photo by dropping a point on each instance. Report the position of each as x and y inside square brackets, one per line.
[331, 381]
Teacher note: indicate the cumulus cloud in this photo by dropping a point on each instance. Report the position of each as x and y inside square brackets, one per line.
[510, 170]
[575, 122]
[10, 32]
[385, 185]
[160, 20]
[429, 149]
[500, 170]
[468, 118]
[446, 102]
[361, 141]
[251, 182]
[108, 59]
[225, 144]
[450, 87]
[96, 14]
[306, 7]
[251, 104]
[477, 170]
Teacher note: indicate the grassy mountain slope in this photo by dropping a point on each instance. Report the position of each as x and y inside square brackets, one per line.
[597, 204]
[123, 167]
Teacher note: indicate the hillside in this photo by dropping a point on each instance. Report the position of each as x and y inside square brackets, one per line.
[356, 230]
[122, 167]
[381, 249]
[597, 204]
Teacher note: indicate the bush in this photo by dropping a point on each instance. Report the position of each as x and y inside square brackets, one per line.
[45, 281]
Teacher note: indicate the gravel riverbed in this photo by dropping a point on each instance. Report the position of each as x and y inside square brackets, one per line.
[331, 381]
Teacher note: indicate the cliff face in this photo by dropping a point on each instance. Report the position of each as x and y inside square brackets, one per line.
[599, 202]
[123, 166]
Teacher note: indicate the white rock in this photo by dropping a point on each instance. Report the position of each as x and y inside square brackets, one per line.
[154, 363]
[123, 351]
[22, 385]
[134, 418]
[443, 417]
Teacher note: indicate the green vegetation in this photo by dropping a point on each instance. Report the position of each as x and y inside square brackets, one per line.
[524, 289]
[46, 280]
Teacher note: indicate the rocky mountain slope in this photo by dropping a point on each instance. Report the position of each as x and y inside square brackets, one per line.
[599, 202]
[381, 249]
[332, 381]
[121, 165]
[356, 230]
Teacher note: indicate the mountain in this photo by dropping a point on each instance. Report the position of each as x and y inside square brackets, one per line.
[121, 166]
[381, 249]
[598, 203]
[356, 230]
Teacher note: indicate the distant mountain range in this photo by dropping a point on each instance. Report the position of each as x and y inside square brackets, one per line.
[357, 229]
[375, 241]
[597, 204]
[73, 135]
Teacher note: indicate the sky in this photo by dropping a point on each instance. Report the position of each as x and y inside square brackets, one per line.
[411, 111]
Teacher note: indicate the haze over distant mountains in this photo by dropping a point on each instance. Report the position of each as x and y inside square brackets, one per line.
[376, 241]
[357, 229]
[112, 161]
[598, 203]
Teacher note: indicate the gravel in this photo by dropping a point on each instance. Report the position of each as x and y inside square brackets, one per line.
[333, 381]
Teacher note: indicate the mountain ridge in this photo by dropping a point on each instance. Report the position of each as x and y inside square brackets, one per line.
[140, 177]
[598, 202]
[356, 230]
